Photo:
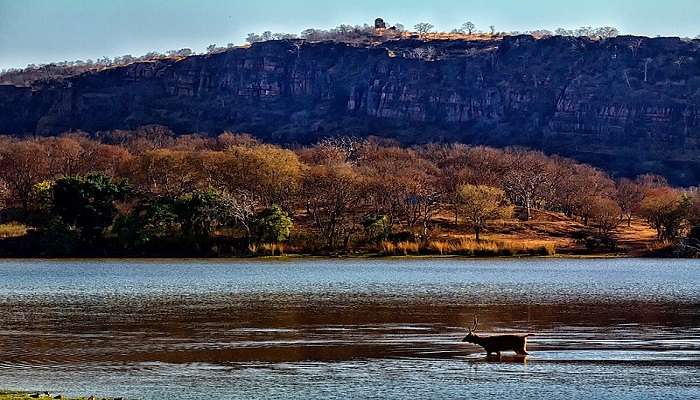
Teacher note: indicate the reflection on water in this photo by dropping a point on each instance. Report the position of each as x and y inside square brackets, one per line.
[327, 328]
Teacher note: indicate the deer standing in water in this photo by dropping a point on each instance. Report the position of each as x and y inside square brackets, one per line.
[497, 344]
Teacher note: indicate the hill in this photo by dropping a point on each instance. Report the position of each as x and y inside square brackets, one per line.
[627, 104]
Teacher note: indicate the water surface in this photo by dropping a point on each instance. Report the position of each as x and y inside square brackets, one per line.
[311, 329]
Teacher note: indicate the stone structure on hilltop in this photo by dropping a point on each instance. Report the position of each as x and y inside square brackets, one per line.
[379, 24]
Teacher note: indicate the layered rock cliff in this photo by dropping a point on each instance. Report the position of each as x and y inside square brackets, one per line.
[628, 104]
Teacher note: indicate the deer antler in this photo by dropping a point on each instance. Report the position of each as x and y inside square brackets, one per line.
[476, 322]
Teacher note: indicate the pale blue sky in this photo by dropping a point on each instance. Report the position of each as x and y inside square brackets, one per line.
[39, 31]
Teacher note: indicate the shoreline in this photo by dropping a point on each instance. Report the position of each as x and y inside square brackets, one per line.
[292, 257]
[31, 395]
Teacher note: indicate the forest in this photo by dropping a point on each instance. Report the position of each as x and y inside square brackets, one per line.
[149, 192]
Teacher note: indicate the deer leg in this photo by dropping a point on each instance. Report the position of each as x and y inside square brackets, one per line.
[523, 351]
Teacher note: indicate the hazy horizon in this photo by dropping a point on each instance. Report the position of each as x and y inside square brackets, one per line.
[39, 31]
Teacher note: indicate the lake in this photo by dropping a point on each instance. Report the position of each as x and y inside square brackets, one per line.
[357, 328]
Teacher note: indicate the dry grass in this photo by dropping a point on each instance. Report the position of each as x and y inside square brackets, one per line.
[450, 36]
[554, 228]
[470, 247]
[439, 246]
[268, 249]
[484, 248]
[408, 248]
[253, 248]
[388, 248]
[400, 248]
[12, 229]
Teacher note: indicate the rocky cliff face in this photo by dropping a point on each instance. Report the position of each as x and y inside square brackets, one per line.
[628, 104]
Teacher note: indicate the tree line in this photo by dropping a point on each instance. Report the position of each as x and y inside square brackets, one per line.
[345, 32]
[149, 191]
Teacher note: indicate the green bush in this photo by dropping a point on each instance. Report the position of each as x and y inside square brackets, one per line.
[595, 241]
[273, 225]
[86, 203]
[376, 228]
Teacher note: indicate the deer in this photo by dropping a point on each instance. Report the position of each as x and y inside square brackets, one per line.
[497, 343]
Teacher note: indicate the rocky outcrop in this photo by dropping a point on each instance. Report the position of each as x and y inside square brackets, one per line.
[628, 104]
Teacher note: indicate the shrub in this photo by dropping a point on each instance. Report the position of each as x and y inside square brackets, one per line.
[403, 236]
[149, 225]
[595, 241]
[273, 225]
[376, 228]
[87, 203]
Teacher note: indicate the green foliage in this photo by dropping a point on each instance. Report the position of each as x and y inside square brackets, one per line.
[150, 223]
[199, 214]
[4, 395]
[189, 220]
[377, 228]
[40, 206]
[273, 225]
[86, 203]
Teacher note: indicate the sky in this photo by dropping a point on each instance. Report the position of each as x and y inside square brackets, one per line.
[42, 31]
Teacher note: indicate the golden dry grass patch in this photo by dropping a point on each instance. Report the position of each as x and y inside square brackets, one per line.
[12, 229]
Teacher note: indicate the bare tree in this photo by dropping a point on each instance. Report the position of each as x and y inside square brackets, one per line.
[527, 179]
[4, 194]
[240, 207]
[179, 53]
[635, 46]
[468, 27]
[334, 194]
[629, 196]
[541, 33]
[423, 28]
[342, 148]
[423, 53]
[22, 165]
[606, 32]
[606, 214]
[585, 31]
[666, 209]
[647, 61]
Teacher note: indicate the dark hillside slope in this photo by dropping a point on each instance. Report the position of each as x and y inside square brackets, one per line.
[628, 104]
